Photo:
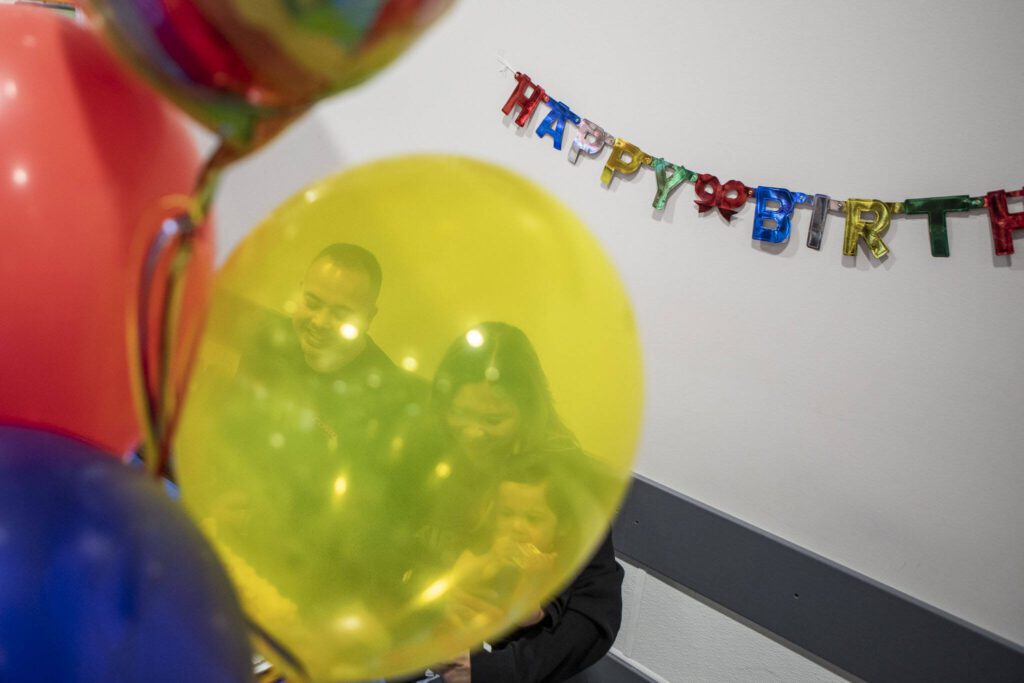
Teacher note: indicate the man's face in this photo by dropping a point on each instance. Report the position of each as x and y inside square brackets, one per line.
[333, 315]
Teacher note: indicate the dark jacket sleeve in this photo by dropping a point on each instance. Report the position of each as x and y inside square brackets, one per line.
[579, 627]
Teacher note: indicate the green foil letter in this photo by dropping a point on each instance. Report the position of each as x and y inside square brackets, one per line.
[937, 208]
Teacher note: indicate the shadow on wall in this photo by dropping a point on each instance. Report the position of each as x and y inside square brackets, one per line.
[256, 185]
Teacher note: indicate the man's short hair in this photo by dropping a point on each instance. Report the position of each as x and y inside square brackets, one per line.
[353, 256]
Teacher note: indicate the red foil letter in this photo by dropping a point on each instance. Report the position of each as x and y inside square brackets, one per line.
[527, 103]
[1003, 222]
[711, 194]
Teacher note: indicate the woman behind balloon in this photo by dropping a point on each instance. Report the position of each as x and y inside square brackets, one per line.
[537, 491]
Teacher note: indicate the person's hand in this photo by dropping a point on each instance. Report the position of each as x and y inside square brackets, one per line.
[457, 670]
[533, 561]
[526, 556]
[470, 611]
[503, 550]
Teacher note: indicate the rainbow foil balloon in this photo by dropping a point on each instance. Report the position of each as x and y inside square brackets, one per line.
[246, 68]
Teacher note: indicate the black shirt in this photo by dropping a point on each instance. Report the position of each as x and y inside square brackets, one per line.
[578, 628]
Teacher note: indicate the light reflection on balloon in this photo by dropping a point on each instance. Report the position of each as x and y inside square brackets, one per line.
[20, 176]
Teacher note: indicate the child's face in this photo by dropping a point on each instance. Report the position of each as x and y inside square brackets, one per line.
[524, 516]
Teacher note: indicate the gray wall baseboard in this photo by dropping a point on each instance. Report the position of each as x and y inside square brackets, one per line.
[848, 620]
[611, 669]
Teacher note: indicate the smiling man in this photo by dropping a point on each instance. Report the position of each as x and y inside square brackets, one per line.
[338, 303]
[326, 383]
[332, 406]
[359, 392]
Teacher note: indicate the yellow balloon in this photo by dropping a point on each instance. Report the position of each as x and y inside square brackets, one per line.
[413, 415]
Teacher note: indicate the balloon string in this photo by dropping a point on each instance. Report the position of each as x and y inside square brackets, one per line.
[170, 394]
[175, 403]
[162, 389]
[290, 659]
[145, 392]
[209, 179]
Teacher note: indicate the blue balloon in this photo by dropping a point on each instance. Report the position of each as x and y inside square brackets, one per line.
[103, 577]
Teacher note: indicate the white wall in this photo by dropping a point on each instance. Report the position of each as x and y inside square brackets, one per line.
[867, 411]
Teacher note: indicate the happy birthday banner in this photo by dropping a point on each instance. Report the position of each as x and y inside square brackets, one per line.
[867, 220]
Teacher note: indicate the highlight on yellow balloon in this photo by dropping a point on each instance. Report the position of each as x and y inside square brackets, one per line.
[413, 415]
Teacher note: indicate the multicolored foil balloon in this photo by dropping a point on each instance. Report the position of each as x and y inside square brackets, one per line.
[1004, 223]
[395, 436]
[246, 68]
[937, 208]
[782, 216]
[103, 577]
[868, 229]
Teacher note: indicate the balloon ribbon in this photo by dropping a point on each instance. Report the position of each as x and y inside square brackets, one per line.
[158, 384]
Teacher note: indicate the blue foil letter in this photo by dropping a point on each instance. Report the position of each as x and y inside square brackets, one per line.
[554, 123]
[781, 216]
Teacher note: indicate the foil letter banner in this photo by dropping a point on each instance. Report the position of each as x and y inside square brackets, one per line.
[1003, 222]
[590, 138]
[670, 176]
[819, 212]
[782, 216]
[937, 208]
[554, 123]
[711, 193]
[526, 103]
[618, 163]
[868, 229]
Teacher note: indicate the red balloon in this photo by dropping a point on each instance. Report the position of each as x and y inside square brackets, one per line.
[86, 153]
